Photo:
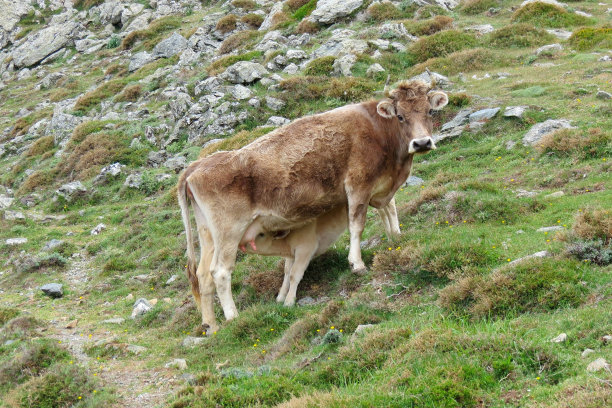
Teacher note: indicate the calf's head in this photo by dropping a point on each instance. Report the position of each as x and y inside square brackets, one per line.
[411, 105]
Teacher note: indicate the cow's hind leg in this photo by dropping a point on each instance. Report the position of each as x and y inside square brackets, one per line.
[226, 246]
[205, 280]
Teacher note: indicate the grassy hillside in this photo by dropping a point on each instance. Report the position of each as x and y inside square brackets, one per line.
[457, 322]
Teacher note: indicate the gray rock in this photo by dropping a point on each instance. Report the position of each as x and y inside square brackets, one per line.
[433, 78]
[191, 341]
[54, 243]
[539, 130]
[5, 201]
[603, 95]
[12, 12]
[515, 111]
[51, 79]
[520, 193]
[114, 320]
[277, 121]
[176, 163]
[338, 46]
[360, 330]
[141, 306]
[396, 30]
[583, 13]
[296, 55]
[549, 49]
[454, 127]
[171, 279]
[374, 69]
[414, 181]
[559, 339]
[70, 191]
[61, 127]
[209, 85]
[13, 215]
[45, 42]
[541, 254]
[277, 8]
[482, 115]
[180, 104]
[587, 352]
[179, 363]
[291, 69]
[254, 102]
[560, 34]
[170, 46]
[16, 241]
[241, 92]
[133, 180]
[605, 58]
[343, 65]
[135, 349]
[244, 72]
[110, 12]
[553, 2]
[598, 365]
[108, 173]
[139, 60]
[480, 29]
[89, 45]
[445, 4]
[549, 229]
[556, 194]
[274, 103]
[330, 11]
[53, 290]
[98, 229]
[306, 301]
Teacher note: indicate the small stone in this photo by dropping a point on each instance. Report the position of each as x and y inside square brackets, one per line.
[560, 338]
[374, 69]
[587, 352]
[414, 181]
[171, 279]
[277, 121]
[606, 339]
[482, 115]
[244, 72]
[53, 290]
[54, 243]
[360, 330]
[13, 215]
[129, 297]
[241, 92]
[343, 65]
[549, 49]
[179, 363]
[481, 29]
[254, 102]
[191, 341]
[515, 111]
[72, 324]
[541, 254]
[133, 348]
[141, 306]
[603, 95]
[598, 365]
[153, 301]
[16, 241]
[98, 229]
[139, 60]
[274, 103]
[5, 201]
[167, 300]
[133, 180]
[291, 69]
[549, 229]
[114, 320]
[305, 301]
[560, 34]
[556, 194]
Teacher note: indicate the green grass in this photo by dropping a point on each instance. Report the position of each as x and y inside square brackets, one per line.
[548, 15]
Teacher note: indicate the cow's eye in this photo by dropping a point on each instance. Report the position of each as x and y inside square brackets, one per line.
[431, 112]
[400, 117]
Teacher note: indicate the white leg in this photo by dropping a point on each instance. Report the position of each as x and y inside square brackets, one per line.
[282, 293]
[303, 255]
[391, 213]
[206, 284]
[357, 209]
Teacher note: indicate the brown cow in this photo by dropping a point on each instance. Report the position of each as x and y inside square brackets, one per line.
[357, 155]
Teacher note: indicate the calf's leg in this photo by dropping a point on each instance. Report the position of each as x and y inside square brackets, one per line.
[357, 209]
[303, 255]
[282, 293]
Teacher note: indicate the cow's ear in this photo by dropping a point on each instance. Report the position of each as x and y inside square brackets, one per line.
[386, 109]
[437, 100]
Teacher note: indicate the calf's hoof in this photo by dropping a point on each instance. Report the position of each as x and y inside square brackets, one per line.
[360, 271]
[208, 330]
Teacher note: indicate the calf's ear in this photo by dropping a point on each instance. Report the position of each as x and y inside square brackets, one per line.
[437, 100]
[385, 109]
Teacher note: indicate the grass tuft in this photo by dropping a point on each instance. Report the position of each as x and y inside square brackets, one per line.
[320, 66]
[472, 7]
[442, 44]
[588, 38]
[227, 23]
[549, 15]
[519, 36]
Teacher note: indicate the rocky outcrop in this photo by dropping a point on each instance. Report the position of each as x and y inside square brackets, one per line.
[539, 130]
[244, 72]
[45, 42]
[330, 11]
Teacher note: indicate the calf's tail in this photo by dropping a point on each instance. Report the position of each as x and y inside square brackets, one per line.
[191, 259]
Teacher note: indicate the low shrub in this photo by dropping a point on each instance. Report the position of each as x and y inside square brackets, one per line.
[307, 26]
[304, 10]
[594, 224]
[475, 59]
[40, 146]
[31, 359]
[548, 15]
[244, 4]
[219, 65]
[310, 88]
[384, 11]
[459, 100]
[589, 38]
[430, 26]
[227, 23]
[591, 251]
[155, 29]
[472, 7]
[320, 66]
[236, 141]
[519, 36]
[294, 5]
[429, 12]
[535, 285]
[577, 143]
[114, 42]
[6, 314]
[254, 20]
[116, 69]
[40, 178]
[442, 44]
[84, 129]
[93, 98]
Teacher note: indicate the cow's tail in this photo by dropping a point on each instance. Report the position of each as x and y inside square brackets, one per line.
[191, 258]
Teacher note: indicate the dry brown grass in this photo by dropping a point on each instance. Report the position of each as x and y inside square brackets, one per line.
[428, 194]
[383, 12]
[295, 4]
[237, 40]
[97, 149]
[566, 142]
[117, 69]
[266, 283]
[254, 20]
[130, 94]
[594, 224]
[476, 59]
[244, 4]
[592, 394]
[93, 98]
[307, 26]
[227, 23]
[40, 146]
[316, 87]
[319, 399]
[40, 178]
[234, 142]
[429, 26]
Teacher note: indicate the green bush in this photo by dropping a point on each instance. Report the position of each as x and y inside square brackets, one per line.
[519, 36]
[304, 10]
[549, 15]
[6, 314]
[591, 251]
[224, 62]
[320, 66]
[30, 360]
[442, 44]
[589, 38]
[114, 42]
[472, 7]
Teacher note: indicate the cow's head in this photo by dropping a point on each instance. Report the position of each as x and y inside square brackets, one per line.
[411, 104]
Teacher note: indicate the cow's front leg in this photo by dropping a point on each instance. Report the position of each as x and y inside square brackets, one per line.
[388, 214]
[282, 293]
[357, 209]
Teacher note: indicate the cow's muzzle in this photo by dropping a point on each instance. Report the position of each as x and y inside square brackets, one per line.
[422, 145]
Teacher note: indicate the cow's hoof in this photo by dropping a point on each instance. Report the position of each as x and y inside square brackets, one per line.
[360, 271]
[207, 330]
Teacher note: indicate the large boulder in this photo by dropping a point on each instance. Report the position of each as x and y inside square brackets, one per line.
[170, 46]
[244, 72]
[111, 12]
[12, 11]
[44, 43]
[330, 11]
[70, 191]
[539, 130]
[61, 127]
